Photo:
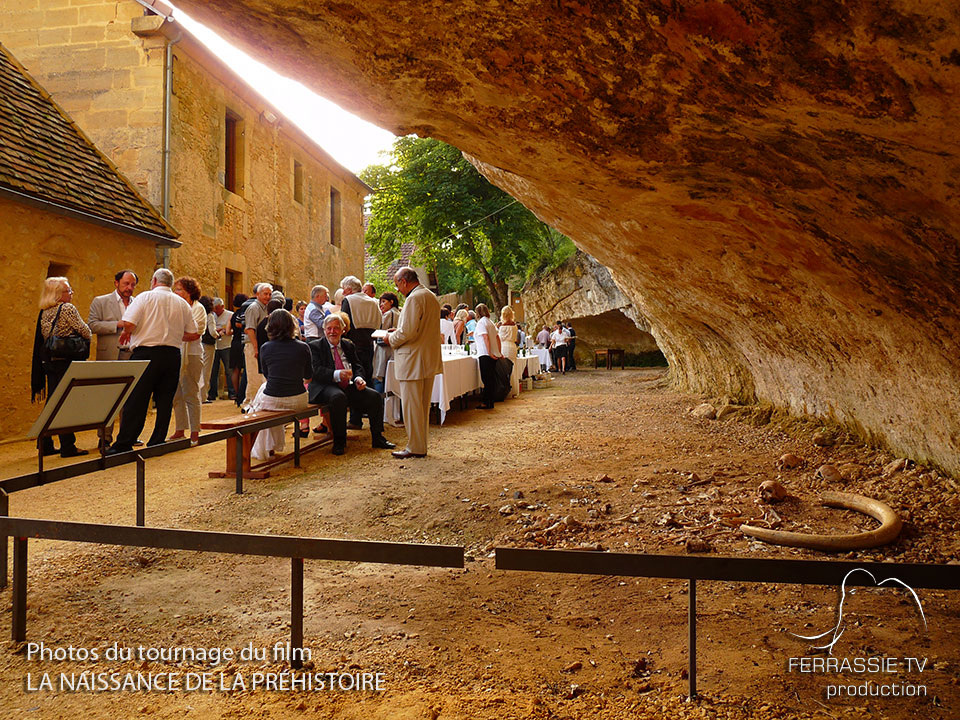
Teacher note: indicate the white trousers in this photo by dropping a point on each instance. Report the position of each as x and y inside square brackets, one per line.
[272, 439]
[186, 402]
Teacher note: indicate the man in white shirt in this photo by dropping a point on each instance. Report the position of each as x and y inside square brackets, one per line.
[221, 352]
[154, 326]
[315, 313]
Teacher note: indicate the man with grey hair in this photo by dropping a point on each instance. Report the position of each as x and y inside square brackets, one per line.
[255, 313]
[154, 326]
[315, 313]
[416, 357]
[221, 352]
[365, 316]
[370, 290]
[338, 384]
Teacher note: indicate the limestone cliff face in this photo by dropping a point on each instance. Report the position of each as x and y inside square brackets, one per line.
[773, 184]
[584, 292]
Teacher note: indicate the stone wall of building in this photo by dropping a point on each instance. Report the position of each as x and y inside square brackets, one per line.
[261, 232]
[109, 80]
[103, 62]
[88, 255]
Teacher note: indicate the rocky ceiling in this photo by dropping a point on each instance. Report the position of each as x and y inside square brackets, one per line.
[774, 183]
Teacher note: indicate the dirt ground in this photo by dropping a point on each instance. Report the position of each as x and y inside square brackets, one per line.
[600, 460]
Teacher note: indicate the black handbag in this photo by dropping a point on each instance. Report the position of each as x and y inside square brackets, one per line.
[68, 347]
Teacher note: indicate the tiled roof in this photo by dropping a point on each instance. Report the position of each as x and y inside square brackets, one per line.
[45, 157]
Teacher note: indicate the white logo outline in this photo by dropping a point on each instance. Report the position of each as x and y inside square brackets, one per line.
[836, 630]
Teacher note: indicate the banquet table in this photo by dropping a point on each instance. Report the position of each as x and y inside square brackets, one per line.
[461, 375]
[544, 355]
[532, 363]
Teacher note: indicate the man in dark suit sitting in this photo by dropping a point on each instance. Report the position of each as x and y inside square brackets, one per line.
[335, 385]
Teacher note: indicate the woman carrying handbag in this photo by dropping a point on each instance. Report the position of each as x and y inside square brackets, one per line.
[61, 337]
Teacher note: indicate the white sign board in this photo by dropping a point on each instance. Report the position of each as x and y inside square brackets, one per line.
[90, 394]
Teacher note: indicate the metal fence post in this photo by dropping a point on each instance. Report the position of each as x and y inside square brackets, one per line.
[141, 489]
[239, 460]
[692, 627]
[296, 613]
[5, 511]
[18, 620]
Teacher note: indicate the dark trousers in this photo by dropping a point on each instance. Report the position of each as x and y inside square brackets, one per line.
[364, 348]
[366, 402]
[219, 356]
[571, 363]
[159, 381]
[488, 376]
[54, 370]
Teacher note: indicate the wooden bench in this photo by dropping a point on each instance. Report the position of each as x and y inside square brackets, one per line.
[247, 439]
[608, 354]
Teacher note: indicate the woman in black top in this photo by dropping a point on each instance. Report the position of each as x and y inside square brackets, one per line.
[286, 363]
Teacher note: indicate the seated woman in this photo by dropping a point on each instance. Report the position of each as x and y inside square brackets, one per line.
[286, 363]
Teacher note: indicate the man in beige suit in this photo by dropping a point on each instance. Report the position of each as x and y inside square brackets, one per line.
[416, 357]
[104, 320]
[106, 312]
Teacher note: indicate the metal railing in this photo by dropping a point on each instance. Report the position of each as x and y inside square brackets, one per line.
[693, 568]
[297, 549]
[139, 456]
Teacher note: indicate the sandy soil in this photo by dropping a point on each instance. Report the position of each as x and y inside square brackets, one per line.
[611, 460]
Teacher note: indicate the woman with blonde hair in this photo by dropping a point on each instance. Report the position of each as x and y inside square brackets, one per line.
[459, 323]
[58, 317]
[186, 403]
[507, 330]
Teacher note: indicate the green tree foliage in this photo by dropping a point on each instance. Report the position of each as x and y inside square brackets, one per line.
[473, 233]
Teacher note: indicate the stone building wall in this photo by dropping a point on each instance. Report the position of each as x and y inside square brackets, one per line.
[109, 80]
[104, 61]
[87, 254]
[260, 233]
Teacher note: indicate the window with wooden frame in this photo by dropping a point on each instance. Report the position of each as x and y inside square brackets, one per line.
[335, 217]
[233, 152]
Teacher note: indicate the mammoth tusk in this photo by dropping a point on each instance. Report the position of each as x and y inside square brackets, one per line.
[890, 526]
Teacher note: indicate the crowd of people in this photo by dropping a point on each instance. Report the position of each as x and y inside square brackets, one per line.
[276, 355]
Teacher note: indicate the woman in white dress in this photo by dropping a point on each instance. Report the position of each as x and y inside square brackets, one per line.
[507, 330]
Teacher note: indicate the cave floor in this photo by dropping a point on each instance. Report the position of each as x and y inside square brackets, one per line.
[613, 460]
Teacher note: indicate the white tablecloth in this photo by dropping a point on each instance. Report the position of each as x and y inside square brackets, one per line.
[532, 363]
[461, 375]
[544, 355]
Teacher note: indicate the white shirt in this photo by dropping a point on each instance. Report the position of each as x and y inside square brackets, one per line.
[195, 347]
[223, 322]
[482, 333]
[560, 338]
[447, 330]
[160, 318]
